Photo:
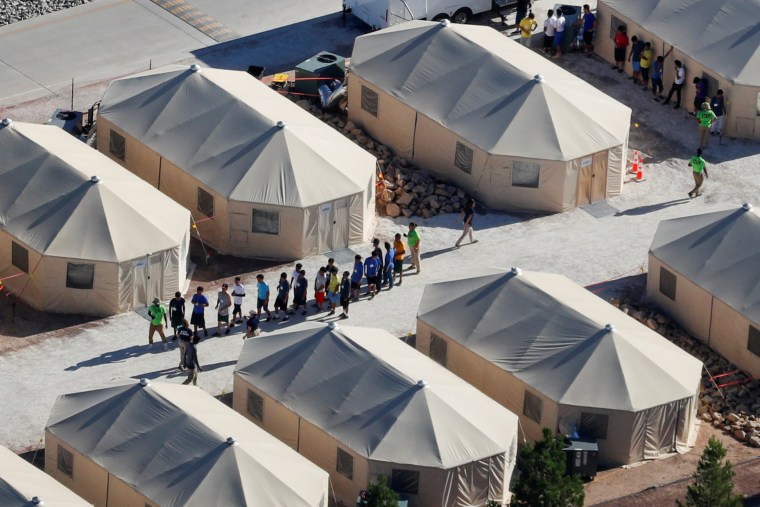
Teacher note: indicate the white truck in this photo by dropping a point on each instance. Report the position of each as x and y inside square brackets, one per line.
[384, 13]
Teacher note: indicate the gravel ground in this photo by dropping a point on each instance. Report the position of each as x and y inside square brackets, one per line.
[12, 11]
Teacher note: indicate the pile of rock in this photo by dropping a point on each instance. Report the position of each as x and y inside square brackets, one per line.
[404, 189]
[12, 11]
[734, 409]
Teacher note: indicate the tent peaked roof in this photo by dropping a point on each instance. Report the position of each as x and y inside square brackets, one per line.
[719, 251]
[561, 340]
[377, 395]
[49, 200]
[20, 482]
[221, 127]
[172, 444]
[722, 35]
[484, 87]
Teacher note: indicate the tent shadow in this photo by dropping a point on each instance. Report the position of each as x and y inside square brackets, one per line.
[650, 208]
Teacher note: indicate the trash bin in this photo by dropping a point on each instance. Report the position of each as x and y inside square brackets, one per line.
[582, 456]
[318, 70]
[572, 13]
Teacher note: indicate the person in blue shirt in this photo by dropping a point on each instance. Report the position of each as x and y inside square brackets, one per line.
[262, 300]
[390, 254]
[372, 271]
[356, 277]
[589, 27]
[198, 317]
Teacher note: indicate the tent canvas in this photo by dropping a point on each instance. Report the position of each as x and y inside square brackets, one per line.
[365, 392]
[167, 444]
[538, 343]
[63, 203]
[456, 88]
[251, 150]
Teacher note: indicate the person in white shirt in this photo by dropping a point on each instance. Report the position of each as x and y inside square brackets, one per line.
[549, 27]
[238, 293]
[677, 85]
[559, 32]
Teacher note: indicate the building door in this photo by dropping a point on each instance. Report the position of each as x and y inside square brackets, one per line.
[325, 227]
[660, 432]
[155, 282]
[341, 225]
[140, 281]
[592, 179]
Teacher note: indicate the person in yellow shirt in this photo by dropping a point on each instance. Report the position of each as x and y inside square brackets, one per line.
[527, 27]
[645, 64]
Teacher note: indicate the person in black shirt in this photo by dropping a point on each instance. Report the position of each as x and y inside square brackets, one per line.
[345, 294]
[185, 336]
[176, 311]
[252, 325]
[300, 288]
[191, 361]
[468, 213]
[376, 250]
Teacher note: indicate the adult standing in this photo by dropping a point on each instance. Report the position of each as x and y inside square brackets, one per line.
[413, 240]
[677, 85]
[621, 47]
[198, 317]
[468, 213]
[223, 304]
[698, 168]
[646, 64]
[559, 33]
[390, 257]
[176, 311]
[191, 361]
[588, 22]
[527, 27]
[637, 47]
[700, 95]
[262, 301]
[184, 336]
[705, 118]
[550, 25]
[718, 105]
[157, 314]
[398, 262]
[238, 293]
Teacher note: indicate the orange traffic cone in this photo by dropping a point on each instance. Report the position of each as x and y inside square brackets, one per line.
[636, 167]
[640, 173]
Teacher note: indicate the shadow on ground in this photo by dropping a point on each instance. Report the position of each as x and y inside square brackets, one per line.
[650, 208]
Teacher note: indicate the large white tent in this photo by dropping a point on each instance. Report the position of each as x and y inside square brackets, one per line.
[704, 270]
[562, 358]
[261, 176]
[79, 233]
[360, 402]
[140, 443]
[23, 485]
[476, 108]
[717, 40]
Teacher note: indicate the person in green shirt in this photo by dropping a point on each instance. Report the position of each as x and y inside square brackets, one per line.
[705, 117]
[413, 240]
[157, 313]
[698, 168]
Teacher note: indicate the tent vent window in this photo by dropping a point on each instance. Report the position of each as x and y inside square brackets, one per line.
[205, 203]
[80, 276]
[463, 158]
[753, 341]
[255, 406]
[532, 407]
[594, 425]
[405, 482]
[614, 24]
[20, 257]
[117, 145]
[266, 222]
[345, 464]
[525, 174]
[65, 461]
[438, 349]
[668, 283]
[369, 100]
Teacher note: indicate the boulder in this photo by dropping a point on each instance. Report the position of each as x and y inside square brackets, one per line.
[732, 417]
[651, 324]
[393, 210]
[740, 435]
[404, 199]
[754, 441]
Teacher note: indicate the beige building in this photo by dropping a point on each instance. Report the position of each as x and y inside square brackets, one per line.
[359, 402]
[149, 444]
[499, 120]
[79, 233]
[704, 271]
[23, 485]
[262, 177]
[562, 358]
[717, 41]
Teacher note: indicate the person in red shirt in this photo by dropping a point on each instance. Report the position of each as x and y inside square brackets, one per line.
[621, 43]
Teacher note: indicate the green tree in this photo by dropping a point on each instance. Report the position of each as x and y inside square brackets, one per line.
[542, 481]
[713, 480]
[380, 494]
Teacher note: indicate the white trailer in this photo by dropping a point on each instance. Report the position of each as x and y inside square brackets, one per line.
[384, 13]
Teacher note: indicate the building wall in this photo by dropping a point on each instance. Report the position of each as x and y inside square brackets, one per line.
[88, 480]
[729, 333]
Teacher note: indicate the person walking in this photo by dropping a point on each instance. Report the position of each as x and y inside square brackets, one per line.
[621, 47]
[223, 304]
[320, 282]
[559, 33]
[281, 301]
[588, 23]
[698, 168]
[468, 213]
[262, 301]
[238, 293]
[413, 240]
[333, 291]
[550, 24]
[198, 317]
[300, 291]
[176, 311]
[718, 105]
[296, 274]
[527, 27]
[252, 325]
[677, 86]
[184, 335]
[388, 265]
[398, 262]
[646, 64]
[371, 271]
[705, 118]
[191, 361]
[700, 95]
[356, 277]
[637, 47]
[345, 294]
[157, 314]
[376, 250]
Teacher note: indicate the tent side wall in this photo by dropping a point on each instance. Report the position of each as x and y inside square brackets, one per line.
[21, 285]
[291, 242]
[88, 479]
[138, 158]
[729, 336]
[121, 494]
[394, 124]
[278, 420]
[692, 306]
[616, 168]
[101, 300]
